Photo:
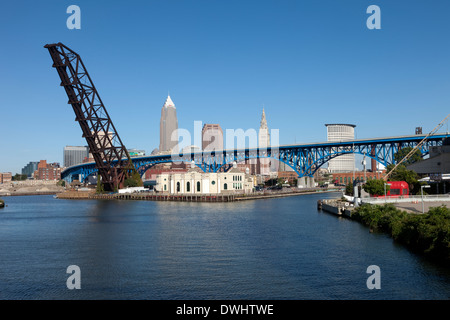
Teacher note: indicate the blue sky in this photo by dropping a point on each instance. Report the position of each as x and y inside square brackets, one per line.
[307, 62]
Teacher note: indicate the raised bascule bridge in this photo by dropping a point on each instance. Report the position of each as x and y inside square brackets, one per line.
[114, 164]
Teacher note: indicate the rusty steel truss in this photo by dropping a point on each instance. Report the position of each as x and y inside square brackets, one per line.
[111, 157]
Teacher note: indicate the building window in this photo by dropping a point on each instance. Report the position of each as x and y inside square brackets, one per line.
[198, 186]
[213, 182]
[188, 187]
[225, 187]
[178, 186]
[165, 187]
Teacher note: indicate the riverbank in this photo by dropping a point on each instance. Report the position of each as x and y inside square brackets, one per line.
[427, 234]
[30, 187]
[223, 197]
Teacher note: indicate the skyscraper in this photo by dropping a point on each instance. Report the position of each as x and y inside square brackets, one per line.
[168, 125]
[30, 168]
[74, 155]
[341, 132]
[212, 137]
[264, 142]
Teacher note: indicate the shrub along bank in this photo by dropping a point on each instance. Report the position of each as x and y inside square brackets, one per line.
[427, 233]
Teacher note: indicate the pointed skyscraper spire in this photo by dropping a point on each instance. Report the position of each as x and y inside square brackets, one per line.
[168, 125]
[263, 121]
[169, 102]
[263, 142]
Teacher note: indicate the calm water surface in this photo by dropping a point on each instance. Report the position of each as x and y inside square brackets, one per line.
[263, 249]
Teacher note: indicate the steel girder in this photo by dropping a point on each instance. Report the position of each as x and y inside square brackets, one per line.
[101, 136]
[305, 160]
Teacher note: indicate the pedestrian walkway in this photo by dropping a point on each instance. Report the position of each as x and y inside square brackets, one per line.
[417, 206]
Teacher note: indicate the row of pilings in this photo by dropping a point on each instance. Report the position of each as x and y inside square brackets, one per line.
[166, 197]
[225, 197]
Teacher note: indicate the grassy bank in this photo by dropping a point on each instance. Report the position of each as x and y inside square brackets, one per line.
[428, 234]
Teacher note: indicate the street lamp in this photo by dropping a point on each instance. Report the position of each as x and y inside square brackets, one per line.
[421, 191]
[385, 184]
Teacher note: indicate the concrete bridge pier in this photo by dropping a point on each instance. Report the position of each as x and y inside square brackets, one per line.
[301, 182]
[311, 183]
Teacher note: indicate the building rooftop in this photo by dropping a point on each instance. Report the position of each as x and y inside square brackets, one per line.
[340, 124]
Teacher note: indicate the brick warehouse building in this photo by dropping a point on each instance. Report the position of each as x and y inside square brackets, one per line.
[345, 178]
[5, 177]
[47, 171]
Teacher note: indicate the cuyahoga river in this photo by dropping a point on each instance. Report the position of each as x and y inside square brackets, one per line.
[263, 249]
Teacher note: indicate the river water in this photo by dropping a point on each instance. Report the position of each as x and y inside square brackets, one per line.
[274, 249]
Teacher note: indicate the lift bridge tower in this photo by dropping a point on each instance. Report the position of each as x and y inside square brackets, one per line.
[111, 157]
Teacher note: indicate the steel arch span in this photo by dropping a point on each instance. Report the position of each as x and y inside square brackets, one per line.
[304, 159]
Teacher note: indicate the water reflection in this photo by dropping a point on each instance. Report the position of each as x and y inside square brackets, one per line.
[265, 249]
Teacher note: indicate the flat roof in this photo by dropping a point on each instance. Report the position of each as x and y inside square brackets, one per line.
[340, 124]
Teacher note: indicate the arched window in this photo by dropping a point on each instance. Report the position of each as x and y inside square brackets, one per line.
[165, 187]
[188, 187]
[225, 187]
[198, 186]
[178, 186]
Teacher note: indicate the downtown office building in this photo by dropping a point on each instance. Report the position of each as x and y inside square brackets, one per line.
[74, 155]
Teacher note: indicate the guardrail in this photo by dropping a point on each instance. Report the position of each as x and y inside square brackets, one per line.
[410, 199]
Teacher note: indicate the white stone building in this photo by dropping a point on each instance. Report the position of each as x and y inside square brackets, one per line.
[195, 181]
[264, 143]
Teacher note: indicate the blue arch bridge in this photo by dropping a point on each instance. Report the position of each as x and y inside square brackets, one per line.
[304, 159]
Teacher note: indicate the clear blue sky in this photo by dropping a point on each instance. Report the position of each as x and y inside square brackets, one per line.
[308, 62]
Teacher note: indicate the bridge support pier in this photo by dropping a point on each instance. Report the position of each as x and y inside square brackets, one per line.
[306, 182]
[301, 183]
[311, 183]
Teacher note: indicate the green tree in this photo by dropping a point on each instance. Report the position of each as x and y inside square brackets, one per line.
[427, 233]
[130, 183]
[271, 182]
[415, 157]
[349, 189]
[134, 180]
[375, 187]
[100, 188]
[19, 177]
[401, 173]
